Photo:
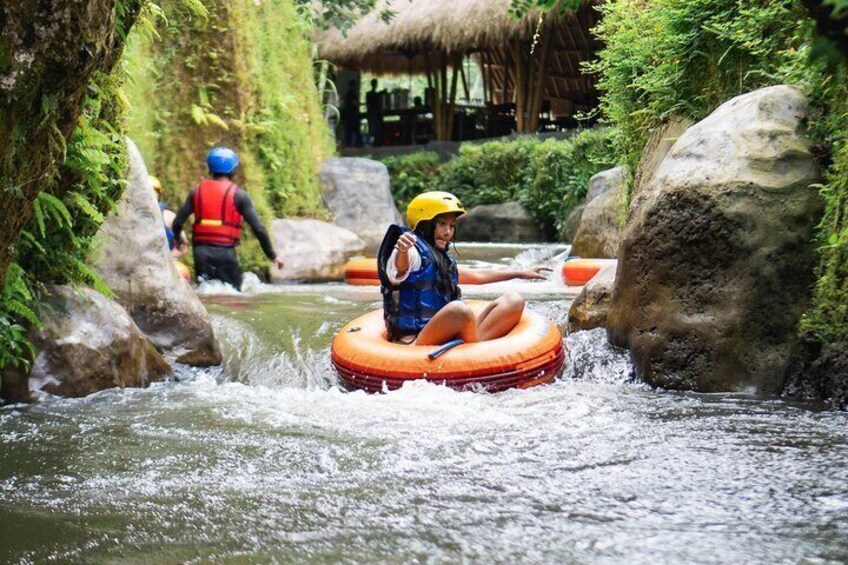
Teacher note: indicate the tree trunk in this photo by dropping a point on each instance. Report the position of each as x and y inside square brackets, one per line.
[49, 51]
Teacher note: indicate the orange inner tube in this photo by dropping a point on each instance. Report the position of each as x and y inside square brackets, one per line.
[532, 353]
[361, 271]
[577, 272]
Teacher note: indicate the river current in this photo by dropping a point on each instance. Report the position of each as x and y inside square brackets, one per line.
[265, 460]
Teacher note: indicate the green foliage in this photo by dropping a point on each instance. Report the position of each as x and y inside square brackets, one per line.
[559, 174]
[411, 175]
[241, 76]
[16, 306]
[669, 57]
[549, 178]
[56, 244]
[520, 8]
[488, 173]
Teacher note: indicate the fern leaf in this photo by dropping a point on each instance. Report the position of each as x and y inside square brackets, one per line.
[86, 206]
[198, 116]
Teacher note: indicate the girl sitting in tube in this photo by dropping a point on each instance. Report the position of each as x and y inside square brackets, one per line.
[422, 301]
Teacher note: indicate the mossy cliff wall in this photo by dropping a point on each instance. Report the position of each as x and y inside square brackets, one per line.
[243, 77]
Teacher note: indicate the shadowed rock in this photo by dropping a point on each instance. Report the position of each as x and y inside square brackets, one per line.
[90, 343]
[313, 250]
[507, 223]
[599, 233]
[716, 263]
[357, 193]
[137, 266]
[589, 310]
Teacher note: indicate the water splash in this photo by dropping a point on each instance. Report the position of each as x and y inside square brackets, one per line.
[589, 356]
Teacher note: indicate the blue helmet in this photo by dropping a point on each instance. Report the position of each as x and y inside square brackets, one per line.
[222, 161]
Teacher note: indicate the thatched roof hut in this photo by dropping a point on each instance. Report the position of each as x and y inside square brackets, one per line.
[428, 36]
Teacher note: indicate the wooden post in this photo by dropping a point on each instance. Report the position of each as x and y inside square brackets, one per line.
[537, 87]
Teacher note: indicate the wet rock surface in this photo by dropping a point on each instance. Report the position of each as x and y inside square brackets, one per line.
[507, 222]
[313, 250]
[137, 266]
[90, 343]
[357, 193]
[572, 223]
[716, 264]
[819, 372]
[589, 310]
[599, 234]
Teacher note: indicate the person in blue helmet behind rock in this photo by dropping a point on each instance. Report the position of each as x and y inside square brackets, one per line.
[422, 301]
[220, 207]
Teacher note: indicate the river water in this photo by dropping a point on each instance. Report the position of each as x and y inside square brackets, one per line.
[266, 461]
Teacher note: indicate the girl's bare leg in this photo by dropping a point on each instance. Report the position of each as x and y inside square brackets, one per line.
[500, 316]
[456, 320]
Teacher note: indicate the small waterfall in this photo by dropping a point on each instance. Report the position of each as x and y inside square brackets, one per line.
[590, 357]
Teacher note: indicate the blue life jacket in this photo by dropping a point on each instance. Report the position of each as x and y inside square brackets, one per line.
[409, 306]
[169, 233]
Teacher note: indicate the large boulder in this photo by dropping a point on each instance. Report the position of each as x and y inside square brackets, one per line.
[572, 223]
[716, 263]
[137, 266]
[507, 223]
[313, 250]
[357, 193]
[90, 343]
[589, 310]
[599, 234]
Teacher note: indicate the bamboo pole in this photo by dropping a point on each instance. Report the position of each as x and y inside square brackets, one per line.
[537, 87]
[451, 105]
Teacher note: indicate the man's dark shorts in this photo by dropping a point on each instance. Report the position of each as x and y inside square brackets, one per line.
[212, 262]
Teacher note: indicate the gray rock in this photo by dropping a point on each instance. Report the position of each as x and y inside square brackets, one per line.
[357, 193]
[506, 223]
[658, 146]
[819, 371]
[572, 223]
[89, 343]
[599, 234]
[589, 310]
[716, 263]
[313, 250]
[137, 266]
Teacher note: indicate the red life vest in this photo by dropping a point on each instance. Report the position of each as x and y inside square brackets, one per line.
[216, 220]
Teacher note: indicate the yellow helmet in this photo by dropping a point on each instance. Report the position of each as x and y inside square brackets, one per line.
[157, 185]
[428, 205]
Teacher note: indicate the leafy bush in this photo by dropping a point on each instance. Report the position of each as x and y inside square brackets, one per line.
[670, 57]
[411, 175]
[488, 173]
[548, 177]
[559, 174]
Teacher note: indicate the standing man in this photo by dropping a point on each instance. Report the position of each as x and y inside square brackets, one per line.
[219, 206]
[374, 113]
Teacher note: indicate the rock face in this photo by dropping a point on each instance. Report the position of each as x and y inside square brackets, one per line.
[589, 310]
[89, 343]
[313, 250]
[716, 263]
[357, 192]
[507, 223]
[138, 267]
[819, 372]
[599, 234]
[572, 223]
[658, 146]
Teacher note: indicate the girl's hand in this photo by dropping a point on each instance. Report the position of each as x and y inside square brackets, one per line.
[406, 241]
[537, 273]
